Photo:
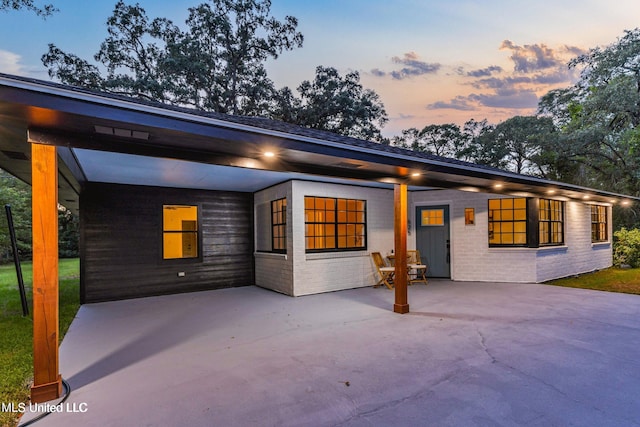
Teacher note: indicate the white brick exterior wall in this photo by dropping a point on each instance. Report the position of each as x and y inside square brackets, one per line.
[323, 272]
[473, 260]
[273, 271]
[300, 273]
[579, 255]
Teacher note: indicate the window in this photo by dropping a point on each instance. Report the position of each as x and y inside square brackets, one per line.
[432, 217]
[599, 225]
[551, 222]
[279, 225]
[334, 224]
[469, 216]
[508, 222]
[179, 232]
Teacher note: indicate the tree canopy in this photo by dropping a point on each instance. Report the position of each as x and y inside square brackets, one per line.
[44, 11]
[598, 143]
[17, 194]
[218, 64]
[334, 103]
[445, 140]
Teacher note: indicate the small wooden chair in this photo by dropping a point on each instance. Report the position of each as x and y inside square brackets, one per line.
[385, 272]
[417, 270]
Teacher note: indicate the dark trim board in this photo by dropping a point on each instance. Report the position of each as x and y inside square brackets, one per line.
[121, 251]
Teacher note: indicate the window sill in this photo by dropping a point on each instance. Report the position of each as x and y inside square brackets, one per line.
[525, 249]
[547, 249]
[511, 249]
[270, 255]
[334, 255]
[600, 245]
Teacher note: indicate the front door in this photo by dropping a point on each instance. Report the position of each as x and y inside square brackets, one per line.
[433, 240]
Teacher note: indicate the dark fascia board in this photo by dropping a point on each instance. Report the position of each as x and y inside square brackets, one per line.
[70, 100]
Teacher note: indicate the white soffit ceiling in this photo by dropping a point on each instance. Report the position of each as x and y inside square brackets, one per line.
[118, 168]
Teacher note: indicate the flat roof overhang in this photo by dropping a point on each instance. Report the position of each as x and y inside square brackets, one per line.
[104, 138]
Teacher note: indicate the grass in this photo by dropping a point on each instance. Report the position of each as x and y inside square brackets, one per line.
[610, 279]
[16, 331]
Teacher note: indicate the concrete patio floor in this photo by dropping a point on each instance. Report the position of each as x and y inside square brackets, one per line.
[468, 354]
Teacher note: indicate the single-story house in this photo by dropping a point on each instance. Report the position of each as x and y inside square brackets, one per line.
[176, 200]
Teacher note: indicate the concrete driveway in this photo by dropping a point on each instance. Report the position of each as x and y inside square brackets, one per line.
[468, 354]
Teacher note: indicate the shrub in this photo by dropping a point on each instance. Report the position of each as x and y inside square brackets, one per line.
[626, 247]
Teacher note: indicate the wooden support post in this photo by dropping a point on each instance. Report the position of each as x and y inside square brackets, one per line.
[400, 230]
[47, 382]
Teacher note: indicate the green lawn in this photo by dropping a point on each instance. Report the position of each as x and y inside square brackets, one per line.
[611, 280]
[16, 369]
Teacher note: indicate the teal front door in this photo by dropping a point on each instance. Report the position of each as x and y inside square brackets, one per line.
[433, 239]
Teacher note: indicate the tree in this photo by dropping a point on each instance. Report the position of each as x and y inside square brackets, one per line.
[222, 56]
[599, 141]
[44, 11]
[481, 148]
[17, 194]
[333, 103]
[216, 65]
[68, 233]
[523, 139]
[445, 140]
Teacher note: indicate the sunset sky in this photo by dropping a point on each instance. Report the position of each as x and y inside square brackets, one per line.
[430, 61]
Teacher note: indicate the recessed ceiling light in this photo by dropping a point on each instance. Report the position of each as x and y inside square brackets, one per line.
[497, 186]
[416, 174]
[551, 192]
[586, 197]
[269, 154]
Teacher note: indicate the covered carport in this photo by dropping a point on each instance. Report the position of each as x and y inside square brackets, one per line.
[59, 138]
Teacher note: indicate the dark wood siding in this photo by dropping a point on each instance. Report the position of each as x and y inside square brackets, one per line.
[121, 242]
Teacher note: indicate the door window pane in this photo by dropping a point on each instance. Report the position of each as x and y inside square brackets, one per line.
[432, 217]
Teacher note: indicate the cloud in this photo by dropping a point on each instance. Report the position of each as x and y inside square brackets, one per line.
[507, 98]
[412, 67]
[537, 69]
[559, 76]
[500, 83]
[10, 63]
[532, 57]
[511, 99]
[574, 50]
[485, 72]
[458, 103]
